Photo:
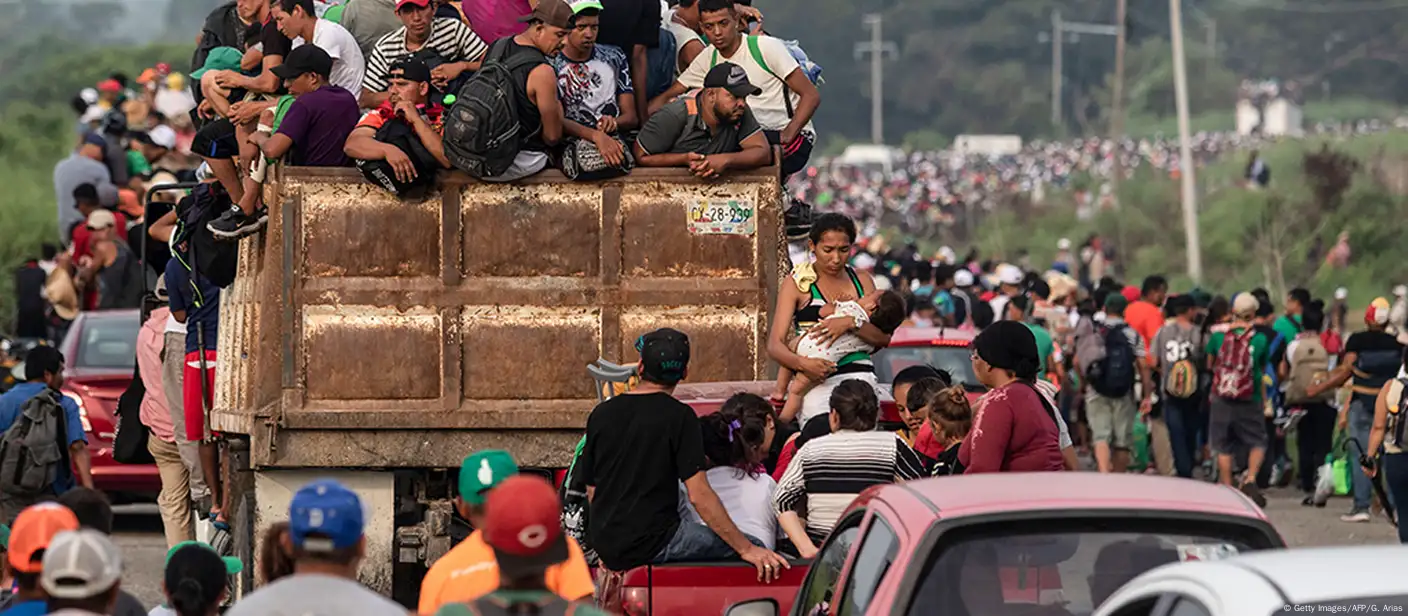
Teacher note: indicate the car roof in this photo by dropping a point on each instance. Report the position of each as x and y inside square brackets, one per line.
[930, 336]
[1004, 492]
[1307, 575]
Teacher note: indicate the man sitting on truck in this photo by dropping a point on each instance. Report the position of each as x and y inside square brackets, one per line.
[469, 570]
[418, 122]
[639, 446]
[711, 132]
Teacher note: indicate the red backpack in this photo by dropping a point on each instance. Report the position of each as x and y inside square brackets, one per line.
[1232, 375]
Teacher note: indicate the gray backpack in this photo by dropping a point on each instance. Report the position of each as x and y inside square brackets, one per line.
[32, 451]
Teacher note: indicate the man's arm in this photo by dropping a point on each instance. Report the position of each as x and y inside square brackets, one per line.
[656, 103]
[542, 84]
[266, 82]
[433, 142]
[273, 146]
[362, 145]
[629, 117]
[78, 443]
[806, 107]
[688, 52]
[712, 511]
[657, 138]
[374, 80]
[640, 69]
[163, 227]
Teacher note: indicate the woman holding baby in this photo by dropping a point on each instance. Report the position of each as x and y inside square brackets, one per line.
[828, 321]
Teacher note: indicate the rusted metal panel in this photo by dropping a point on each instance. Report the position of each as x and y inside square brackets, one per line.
[477, 309]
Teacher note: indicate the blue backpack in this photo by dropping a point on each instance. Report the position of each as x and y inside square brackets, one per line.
[1114, 376]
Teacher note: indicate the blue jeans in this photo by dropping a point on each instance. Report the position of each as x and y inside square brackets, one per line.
[1361, 420]
[1184, 419]
[695, 542]
[1394, 470]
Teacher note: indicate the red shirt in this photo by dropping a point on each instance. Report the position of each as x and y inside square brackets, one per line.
[82, 247]
[1011, 433]
[1146, 319]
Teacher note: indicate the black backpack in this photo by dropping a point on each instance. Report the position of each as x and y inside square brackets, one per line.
[204, 255]
[1114, 376]
[398, 133]
[482, 133]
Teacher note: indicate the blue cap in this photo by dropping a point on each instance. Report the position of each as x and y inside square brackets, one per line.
[95, 139]
[325, 516]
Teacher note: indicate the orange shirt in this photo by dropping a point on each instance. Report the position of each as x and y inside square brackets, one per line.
[1146, 319]
[468, 572]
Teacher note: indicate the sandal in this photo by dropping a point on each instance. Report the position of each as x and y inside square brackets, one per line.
[217, 519]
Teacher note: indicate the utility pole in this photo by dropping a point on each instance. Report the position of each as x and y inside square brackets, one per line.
[878, 49]
[1185, 148]
[1117, 130]
[1056, 73]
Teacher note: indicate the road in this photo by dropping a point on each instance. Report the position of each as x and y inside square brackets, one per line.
[139, 536]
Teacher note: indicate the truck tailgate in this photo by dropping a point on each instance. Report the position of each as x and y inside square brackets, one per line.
[708, 588]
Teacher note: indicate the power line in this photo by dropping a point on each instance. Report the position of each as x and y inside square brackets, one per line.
[1340, 7]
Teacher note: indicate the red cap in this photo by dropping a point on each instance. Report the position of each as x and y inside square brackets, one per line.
[522, 523]
[1131, 294]
[109, 85]
[419, 3]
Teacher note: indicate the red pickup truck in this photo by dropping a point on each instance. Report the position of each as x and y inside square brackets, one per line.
[981, 545]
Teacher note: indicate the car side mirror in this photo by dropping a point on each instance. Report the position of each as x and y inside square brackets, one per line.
[755, 607]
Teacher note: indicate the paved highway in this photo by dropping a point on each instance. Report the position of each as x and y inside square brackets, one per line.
[139, 535]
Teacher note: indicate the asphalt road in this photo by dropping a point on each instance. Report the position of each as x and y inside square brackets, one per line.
[144, 549]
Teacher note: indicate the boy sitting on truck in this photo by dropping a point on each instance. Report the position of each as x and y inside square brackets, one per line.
[884, 310]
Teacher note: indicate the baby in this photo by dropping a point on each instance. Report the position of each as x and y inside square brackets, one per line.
[884, 310]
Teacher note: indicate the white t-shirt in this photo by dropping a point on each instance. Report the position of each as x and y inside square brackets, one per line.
[173, 326]
[748, 501]
[683, 35]
[348, 64]
[770, 107]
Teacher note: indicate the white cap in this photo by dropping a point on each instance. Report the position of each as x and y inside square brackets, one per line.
[882, 283]
[101, 219]
[947, 255]
[1400, 291]
[89, 95]
[1063, 244]
[80, 564]
[864, 262]
[1245, 305]
[963, 278]
[1009, 274]
[1341, 293]
[93, 114]
[163, 135]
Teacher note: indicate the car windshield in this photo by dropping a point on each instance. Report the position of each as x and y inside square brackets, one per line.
[1050, 573]
[108, 341]
[954, 359]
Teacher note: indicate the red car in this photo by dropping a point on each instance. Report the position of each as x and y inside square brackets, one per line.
[1007, 543]
[100, 353]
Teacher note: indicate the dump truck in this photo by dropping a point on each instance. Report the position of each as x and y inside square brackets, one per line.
[378, 341]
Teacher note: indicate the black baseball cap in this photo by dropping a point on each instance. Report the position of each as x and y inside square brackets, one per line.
[664, 355]
[304, 59]
[413, 69]
[733, 78]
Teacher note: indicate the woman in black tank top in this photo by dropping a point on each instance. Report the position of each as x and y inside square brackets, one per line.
[831, 239]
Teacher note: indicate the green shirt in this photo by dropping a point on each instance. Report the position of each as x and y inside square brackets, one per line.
[509, 597]
[1044, 346]
[1260, 346]
[137, 164]
[1288, 327]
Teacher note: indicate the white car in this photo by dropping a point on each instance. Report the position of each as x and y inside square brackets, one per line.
[1341, 580]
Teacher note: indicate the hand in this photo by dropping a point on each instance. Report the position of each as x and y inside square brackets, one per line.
[609, 148]
[1343, 423]
[85, 262]
[607, 124]
[831, 330]
[1369, 471]
[205, 109]
[244, 111]
[816, 369]
[1145, 406]
[707, 167]
[788, 135]
[400, 163]
[226, 79]
[445, 73]
[769, 564]
[749, 13]
[407, 109]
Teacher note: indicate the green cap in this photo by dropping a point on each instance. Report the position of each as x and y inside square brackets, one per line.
[220, 59]
[1114, 302]
[481, 471]
[581, 5]
[4, 537]
[232, 564]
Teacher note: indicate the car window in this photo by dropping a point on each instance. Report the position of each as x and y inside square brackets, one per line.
[877, 553]
[826, 570]
[109, 341]
[1141, 607]
[981, 571]
[1188, 607]
[955, 359]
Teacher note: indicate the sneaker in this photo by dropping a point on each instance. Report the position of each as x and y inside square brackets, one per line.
[235, 223]
[1358, 516]
[1309, 501]
[1254, 493]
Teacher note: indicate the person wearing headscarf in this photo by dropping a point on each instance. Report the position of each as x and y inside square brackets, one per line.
[1015, 428]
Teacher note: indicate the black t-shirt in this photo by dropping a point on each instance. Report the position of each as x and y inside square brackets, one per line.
[275, 43]
[1377, 354]
[1278, 351]
[626, 23]
[639, 447]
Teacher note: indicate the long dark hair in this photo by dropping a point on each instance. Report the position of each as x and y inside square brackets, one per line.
[195, 578]
[1218, 309]
[734, 435]
[855, 405]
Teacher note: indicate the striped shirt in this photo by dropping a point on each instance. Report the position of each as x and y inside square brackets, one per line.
[451, 38]
[830, 471]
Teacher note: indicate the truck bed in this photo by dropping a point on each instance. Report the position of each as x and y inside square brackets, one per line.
[366, 331]
[706, 588]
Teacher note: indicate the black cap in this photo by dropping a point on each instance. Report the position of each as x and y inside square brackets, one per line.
[733, 78]
[304, 59]
[664, 355]
[411, 68]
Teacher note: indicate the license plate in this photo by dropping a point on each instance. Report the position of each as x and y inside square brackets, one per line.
[722, 217]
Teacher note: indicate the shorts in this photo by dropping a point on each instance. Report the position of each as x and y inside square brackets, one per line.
[525, 163]
[1235, 426]
[1111, 419]
[216, 140]
[195, 407]
[795, 155]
